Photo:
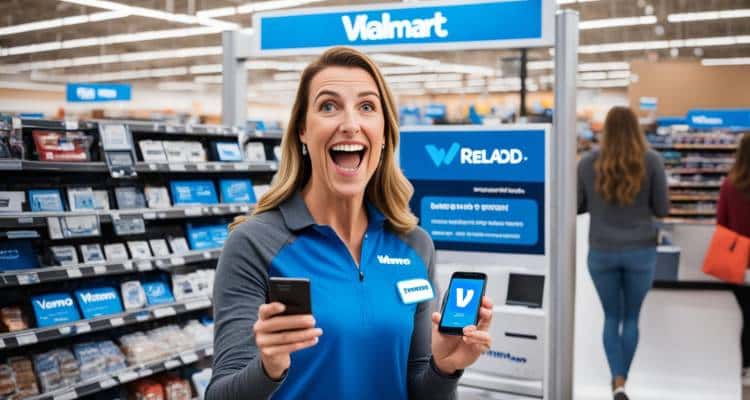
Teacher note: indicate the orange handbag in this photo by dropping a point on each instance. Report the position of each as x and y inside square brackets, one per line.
[728, 256]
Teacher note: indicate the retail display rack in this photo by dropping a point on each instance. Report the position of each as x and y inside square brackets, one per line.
[109, 234]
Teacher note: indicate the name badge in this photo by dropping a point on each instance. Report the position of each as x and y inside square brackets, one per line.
[415, 291]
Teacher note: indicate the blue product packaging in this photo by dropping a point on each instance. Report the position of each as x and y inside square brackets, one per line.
[202, 237]
[228, 151]
[45, 200]
[95, 302]
[193, 192]
[53, 309]
[237, 191]
[17, 254]
[157, 292]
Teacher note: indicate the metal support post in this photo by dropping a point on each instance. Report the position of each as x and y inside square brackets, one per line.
[236, 48]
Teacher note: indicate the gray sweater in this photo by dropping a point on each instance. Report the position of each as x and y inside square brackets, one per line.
[616, 227]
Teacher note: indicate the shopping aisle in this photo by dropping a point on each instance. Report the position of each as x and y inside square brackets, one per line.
[689, 342]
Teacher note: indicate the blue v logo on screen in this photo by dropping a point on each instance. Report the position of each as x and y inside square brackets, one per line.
[461, 300]
[469, 155]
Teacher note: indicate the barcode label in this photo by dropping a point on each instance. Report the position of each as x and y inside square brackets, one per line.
[28, 278]
[164, 312]
[244, 208]
[100, 269]
[127, 376]
[65, 330]
[201, 167]
[2, 344]
[145, 372]
[193, 211]
[172, 364]
[74, 273]
[240, 167]
[143, 266]
[128, 265]
[28, 338]
[177, 167]
[107, 383]
[188, 358]
[197, 304]
[117, 321]
[153, 167]
[83, 327]
[207, 255]
[177, 260]
[149, 215]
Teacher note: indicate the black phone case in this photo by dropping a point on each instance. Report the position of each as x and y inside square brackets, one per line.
[293, 293]
[459, 331]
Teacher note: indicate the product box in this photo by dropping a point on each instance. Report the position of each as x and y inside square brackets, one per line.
[79, 226]
[277, 152]
[202, 237]
[133, 296]
[159, 247]
[92, 253]
[101, 200]
[139, 249]
[64, 255]
[129, 198]
[62, 146]
[96, 302]
[152, 151]
[90, 357]
[228, 151]
[195, 152]
[45, 200]
[176, 151]
[182, 287]
[193, 192]
[255, 152]
[157, 197]
[81, 199]
[237, 191]
[54, 309]
[17, 254]
[157, 292]
[116, 252]
[179, 245]
[12, 201]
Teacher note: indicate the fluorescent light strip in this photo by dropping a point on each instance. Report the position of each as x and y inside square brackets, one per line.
[44, 87]
[617, 22]
[253, 7]
[105, 40]
[60, 22]
[709, 15]
[180, 86]
[605, 84]
[665, 44]
[403, 60]
[714, 62]
[156, 14]
[585, 67]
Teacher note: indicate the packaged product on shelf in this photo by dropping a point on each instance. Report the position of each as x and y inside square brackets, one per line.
[129, 197]
[56, 369]
[173, 337]
[114, 360]
[115, 252]
[53, 309]
[182, 287]
[63, 255]
[194, 192]
[206, 236]
[45, 200]
[176, 151]
[139, 249]
[179, 245]
[91, 362]
[237, 191]
[7, 381]
[12, 319]
[230, 152]
[12, 201]
[139, 348]
[157, 197]
[69, 368]
[195, 152]
[200, 381]
[159, 247]
[157, 292]
[62, 146]
[152, 151]
[11, 142]
[201, 334]
[23, 372]
[147, 390]
[98, 301]
[17, 254]
[101, 200]
[197, 283]
[80, 199]
[92, 253]
[175, 388]
[133, 296]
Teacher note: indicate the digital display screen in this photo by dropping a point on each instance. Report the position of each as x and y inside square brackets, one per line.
[525, 290]
[462, 304]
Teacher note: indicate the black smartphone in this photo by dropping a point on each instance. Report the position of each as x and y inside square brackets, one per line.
[294, 293]
[462, 302]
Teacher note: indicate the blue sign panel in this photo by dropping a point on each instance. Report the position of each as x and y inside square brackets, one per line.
[719, 118]
[478, 189]
[97, 92]
[399, 26]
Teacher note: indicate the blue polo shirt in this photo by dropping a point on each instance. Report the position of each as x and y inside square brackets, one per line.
[373, 345]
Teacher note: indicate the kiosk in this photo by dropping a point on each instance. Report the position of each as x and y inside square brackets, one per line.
[510, 209]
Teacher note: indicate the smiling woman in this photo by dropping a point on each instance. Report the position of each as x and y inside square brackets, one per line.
[337, 215]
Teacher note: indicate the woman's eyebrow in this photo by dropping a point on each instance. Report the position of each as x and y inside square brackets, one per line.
[368, 93]
[325, 92]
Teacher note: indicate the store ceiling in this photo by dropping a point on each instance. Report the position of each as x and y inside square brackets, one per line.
[114, 46]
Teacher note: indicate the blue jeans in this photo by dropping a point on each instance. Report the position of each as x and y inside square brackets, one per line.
[622, 280]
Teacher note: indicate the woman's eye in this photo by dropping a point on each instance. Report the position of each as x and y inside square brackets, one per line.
[327, 107]
[367, 107]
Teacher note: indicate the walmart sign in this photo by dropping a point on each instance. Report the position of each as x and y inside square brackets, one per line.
[437, 25]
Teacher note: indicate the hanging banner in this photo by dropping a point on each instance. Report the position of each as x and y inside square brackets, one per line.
[478, 188]
[738, 118]
[97, 92]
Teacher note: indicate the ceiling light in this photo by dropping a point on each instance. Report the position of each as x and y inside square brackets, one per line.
[616, 22]
[665, 44]
[404, 60]
[217, 12]
[592, 76]
[603, 66]
[286, 76]
[709, 15]
[180, 86]
[605, 83]
[32, 86]
[401, 70]
[60, 22]
[208, 79]
[713, 62]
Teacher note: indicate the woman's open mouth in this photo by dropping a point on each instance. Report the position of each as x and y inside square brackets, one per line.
[348, 157]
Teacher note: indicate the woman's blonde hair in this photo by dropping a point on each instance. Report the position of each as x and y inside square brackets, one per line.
[388, 189]
[621, 165]
[740, 173]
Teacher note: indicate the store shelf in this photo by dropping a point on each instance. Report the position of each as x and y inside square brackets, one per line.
[147, 167]
[680, 197]
[37, 335]
[180, 130]
[39, 219]
[698, 185]
[695, 146]
[37, 276]
[694, 221]
[129, 374]
[692, 212]
[697, 171]
[58, 125]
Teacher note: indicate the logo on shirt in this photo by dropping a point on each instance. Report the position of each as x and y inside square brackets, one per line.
[387, 260]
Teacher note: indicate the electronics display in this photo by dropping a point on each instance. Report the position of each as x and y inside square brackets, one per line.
[101, 200]
[80, 199]
[229, 151]
[179, 245]
[62, 146]
[54, 309]
[79, 226]
[129, 225]
[195, 192]
[133, 296]
[152, 151]
[92, 253]
[157, 292]
[115, 252]
[237, 191]
[525, 290]
[12, 201]
[99, 301]
[157, 197]
[159, 247]
[45, 200]
[176, 152]
[139, 249]
[129, 198]
[64, 255]
[17, 254]
[203, 237]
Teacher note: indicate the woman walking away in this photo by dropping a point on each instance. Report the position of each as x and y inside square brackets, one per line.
[734, 213]
[624, 187]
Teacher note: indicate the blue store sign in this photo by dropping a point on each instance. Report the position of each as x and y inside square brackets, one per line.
[478, 188]
[437, 25]
[719, 118]
[97, 92]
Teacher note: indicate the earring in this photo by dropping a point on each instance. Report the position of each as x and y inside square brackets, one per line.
[304, 149]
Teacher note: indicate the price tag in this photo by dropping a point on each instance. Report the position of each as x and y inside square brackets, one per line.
[164, 312]
[244, 208]
[27, 338]
[193, 211]
[83, 327]
[162, 215]
[234, 209]
[149, 215]
[145, 372]
[177, 261]
[65, 330]
[127, 376]
[114, 215]
[240, 167]
[177, 167]
[25, 220]
[201, 166]
[159, 263]
[172, 364]
[209, 351]
[142, 316]
[74, 273]
[207, 255]
[107, 383]
[22, 234]
[194, 305]
[2, 344]
[188, 358]
[66, 396]
[128, 265]
[153, 167]
[28, 278]
[100, 270]
[71, 124]
[144, 266]
[216, 210]
[118, 321]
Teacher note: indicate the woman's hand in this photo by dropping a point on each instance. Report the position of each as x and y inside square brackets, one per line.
[279, 336]
[451, 353]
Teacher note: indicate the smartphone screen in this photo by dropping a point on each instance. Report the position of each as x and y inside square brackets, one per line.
[462, 303]
[294, 293]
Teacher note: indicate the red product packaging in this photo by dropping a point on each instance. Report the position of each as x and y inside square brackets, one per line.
[147, 390]
[62, 146]
[176, 388]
